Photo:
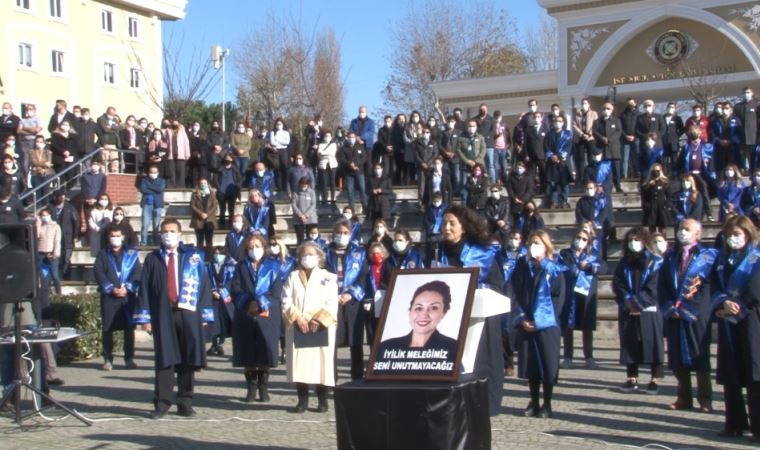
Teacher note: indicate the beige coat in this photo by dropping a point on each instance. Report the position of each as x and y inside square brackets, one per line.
[316, 299]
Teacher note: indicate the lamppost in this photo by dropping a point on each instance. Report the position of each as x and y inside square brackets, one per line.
[217, 57]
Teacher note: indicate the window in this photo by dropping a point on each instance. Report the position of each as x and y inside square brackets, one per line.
[24, 55]
[55, 8]
[133, 32]
[106, 20]
[109, 71]
[57, 61]
[134, 78]
[22, 4]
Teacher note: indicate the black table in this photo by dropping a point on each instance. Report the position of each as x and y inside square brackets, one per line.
[413, 415]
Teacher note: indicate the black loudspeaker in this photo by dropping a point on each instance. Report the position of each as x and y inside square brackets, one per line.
[18, 262]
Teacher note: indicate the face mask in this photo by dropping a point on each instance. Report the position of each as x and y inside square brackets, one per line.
[170, 240]
[635, 246]
[477, 173]
[655, 173]
[452, 125]
[671, 110]
[204, 188]
[437, 204]
[598, 158]
[399, 246]
[196, 128]
[736, 242]
[537, 250]
[533, 108]
[520, 170]
[694, 136]
[115, 241]
[347, 215]
[426, 137]
[684, 236]
[376, 258]
[514, 243]
[95, 169]
[40, 145]
[606, 113]
[351, 141]
[719, 111]
[579, 244]
[650, 143]
[341, 240]
[558, 125]
[299, 162]
[472, 130]
[314, 236]
[747, 96]
[662, 246]
[259, 173]
[697, 114]
[379, 231]
[309, 262]
[103, 203]
[152, 176]
[219, 258]
[237, 226]
[591, 192]
[687, 185]
[118, 217]
[256, 253]
[274, 249]
[241, 130]
[584, 108]
[495, 195]
[649, 109]
[378, 173]
[730, 173]
[45, 219]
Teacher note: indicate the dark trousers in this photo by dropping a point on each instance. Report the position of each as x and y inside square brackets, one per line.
[226, 206]
[704, 386]
[588, 343]
[736, 413]
[632, 370]
[185, 374]
[508, 343]
[129, 344]
[615, 163]
[357, 362]
[300, 229]
[327, 181]
[701, 185]
[204, 237]
[175, 172]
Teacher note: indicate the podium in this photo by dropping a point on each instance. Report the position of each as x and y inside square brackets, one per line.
[431, 415]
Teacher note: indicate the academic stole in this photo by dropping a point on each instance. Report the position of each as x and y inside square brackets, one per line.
[543, 307]
[653, 264]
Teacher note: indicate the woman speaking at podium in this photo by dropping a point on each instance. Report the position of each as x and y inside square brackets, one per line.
[466, 244]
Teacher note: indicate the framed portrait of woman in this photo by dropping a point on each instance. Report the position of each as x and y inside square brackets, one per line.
[423, 325]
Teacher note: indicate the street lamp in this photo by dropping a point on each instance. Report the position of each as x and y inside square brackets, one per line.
[217, 57]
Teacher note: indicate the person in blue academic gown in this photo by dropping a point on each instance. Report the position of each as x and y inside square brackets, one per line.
[259, 213]
[403, 255]
[511, 251]
[736, 306]
[583, 266]
[174, 304]
[256, 292]
[639, 319]
[233, 242]
[220, 270]
[684, 295]
[117, 272]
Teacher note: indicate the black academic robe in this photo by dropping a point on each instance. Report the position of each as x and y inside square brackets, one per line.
[581, 308]
[233, 244]
[685, 336]
[170, 348]
[352, 317]
[538, 350]
[115, 312]
[223, 312]
[641, 339]
[255, 339]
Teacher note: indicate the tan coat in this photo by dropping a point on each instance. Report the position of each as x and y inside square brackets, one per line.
[212, 210]
[316, 299]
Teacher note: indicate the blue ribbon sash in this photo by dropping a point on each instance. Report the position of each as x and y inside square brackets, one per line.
[267, 274]
[192, 264]
[543, 308]
[474, 256]
[653, 264]
[605, 168]
[128, 261]
[700, 266]
[732, 288]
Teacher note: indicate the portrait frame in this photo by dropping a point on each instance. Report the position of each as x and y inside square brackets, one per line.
[392, 357]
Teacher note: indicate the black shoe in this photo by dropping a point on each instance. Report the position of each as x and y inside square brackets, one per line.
[531, 410]
[186, 412]
[322, 408]
[729, 433]
[158, 414]
[250, 381]
[545, 413]
[300, 408]
[652, 388]
[219, 350]
[263, 386]
[629, 386]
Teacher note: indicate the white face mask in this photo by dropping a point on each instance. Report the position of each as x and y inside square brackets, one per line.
[687, 185]
[45, 219]
[748, 96]
[219, 258]
[40, 145]
[309, 262]
[378, 173]
[636, 246]
[341, 240]
[684, 236]
[650, 143]
[520, 170]
[697, 114]
[379, 231]
[196, 128]
[662, 246]
[274, 249]
[170, 240]
[118, 217]
[116, 241]
[351, 141]
[437, 204]
[533, 108]
[537, 250]
[495, 195]
[598, 158]
[103, 203]
[260, 173]
[153, 176]
[399, 246]
[514, 243]
[472, 130]
[241, 130]
[299, 162]
[591, 192]
[558, 125]
[737, 242]
[671, 110]
[237, 226]
[95, 169]
[347, 215]
[314, 236]
[579, 244]
[730, 173]
[256, 253]
[649, 109]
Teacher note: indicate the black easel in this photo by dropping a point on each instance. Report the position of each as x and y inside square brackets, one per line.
[19, 382]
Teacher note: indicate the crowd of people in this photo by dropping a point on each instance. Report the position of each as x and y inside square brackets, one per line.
[480, 187]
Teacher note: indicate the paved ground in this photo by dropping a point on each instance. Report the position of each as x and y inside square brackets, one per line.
[589, 413]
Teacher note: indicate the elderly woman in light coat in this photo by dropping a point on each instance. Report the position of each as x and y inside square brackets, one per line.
[310, 311]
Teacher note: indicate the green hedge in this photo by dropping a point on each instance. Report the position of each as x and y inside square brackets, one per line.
[80, 311]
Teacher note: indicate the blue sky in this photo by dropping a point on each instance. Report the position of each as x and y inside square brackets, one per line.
[363, 28]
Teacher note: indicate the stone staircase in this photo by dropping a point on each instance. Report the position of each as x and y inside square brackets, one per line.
[560, 224]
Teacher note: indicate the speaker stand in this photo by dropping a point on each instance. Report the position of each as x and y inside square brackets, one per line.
[19, 383]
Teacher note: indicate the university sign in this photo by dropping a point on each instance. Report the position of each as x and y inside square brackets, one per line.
[670, 74]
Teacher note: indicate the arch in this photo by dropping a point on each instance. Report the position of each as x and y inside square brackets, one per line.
[625, 33]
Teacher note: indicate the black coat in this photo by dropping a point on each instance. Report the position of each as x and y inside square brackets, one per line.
[348, 154]
[534, 143]
[689, 209]
[379, 204]
[581, 307]
[646, 124]
[170, 348]
[611, 129]
[477, 191]
[115, 312]
[539, 350]
[747, 113]
[519, 187]
[641, 336]
[255, 339]
[657, 205]
[673, 133]
[496, 210]
[445, 187]
[68, 219]
[233, 244]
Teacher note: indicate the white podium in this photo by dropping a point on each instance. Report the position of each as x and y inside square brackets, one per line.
[486, 303]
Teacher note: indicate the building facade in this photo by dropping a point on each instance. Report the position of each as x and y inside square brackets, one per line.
[90, 53]
[664, 50]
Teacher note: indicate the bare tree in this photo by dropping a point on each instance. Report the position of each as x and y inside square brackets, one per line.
[703, 80]
[187, 77]
[437, 41]
[541, 45]
[291, 71]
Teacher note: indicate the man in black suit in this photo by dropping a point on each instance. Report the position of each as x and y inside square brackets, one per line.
[746, 111]
[649, 122]
[533, 153]
[61, 114]
[674, 129]
[607, 130]
[67, 217]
